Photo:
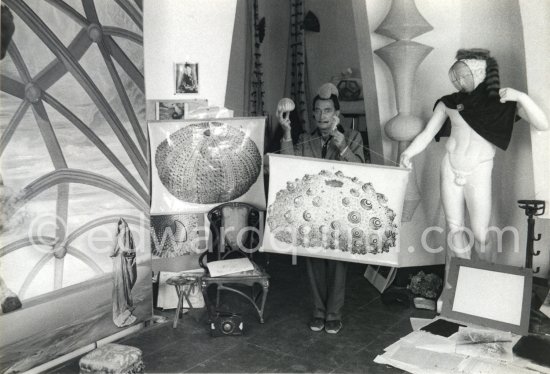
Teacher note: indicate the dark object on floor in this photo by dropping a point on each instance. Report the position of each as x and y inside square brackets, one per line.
[404, 275]
[224, 324]
[442, 327]
[534, 348]
[426, 285]
[113, 358]
[399, 295]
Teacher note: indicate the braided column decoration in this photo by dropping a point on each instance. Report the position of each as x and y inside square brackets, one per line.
[257, 84]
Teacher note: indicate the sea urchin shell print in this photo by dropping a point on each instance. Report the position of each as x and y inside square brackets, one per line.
[332, 211]
[208, 163]
[176, 234]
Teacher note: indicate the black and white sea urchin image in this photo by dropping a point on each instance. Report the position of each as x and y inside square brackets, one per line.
[208, 163]
[332, 211]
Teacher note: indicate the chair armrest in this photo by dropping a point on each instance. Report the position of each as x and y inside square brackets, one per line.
[202, 262]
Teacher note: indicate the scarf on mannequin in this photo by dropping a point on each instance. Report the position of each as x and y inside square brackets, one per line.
[486, 115]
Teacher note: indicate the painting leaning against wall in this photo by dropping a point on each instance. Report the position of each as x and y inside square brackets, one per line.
[75, 246]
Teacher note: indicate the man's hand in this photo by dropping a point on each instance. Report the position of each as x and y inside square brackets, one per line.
[284, 121]
[339, 140]
[509, 94]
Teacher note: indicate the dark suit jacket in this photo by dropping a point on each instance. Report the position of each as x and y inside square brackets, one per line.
[310, 145]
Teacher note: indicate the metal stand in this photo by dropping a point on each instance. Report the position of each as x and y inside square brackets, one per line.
[532, 208]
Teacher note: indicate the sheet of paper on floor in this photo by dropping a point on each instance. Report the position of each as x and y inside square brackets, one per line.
[423, 352]
[474, 365]
[425, 340]
[415, 360]
[491, 344]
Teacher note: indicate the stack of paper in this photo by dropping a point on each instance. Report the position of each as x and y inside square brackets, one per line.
[227, 267]
[469, 350]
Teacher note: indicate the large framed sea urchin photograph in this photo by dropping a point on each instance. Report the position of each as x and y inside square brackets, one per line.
[199, 164]
[335, 210]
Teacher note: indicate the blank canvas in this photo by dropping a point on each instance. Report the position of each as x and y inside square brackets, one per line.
[491, 295]
[495, 289]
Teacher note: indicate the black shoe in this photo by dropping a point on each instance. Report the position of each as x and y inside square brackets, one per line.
[317, 324]
[333, 327]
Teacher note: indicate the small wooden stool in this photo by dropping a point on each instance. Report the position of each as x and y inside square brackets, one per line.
[184, 284]
[112, 359]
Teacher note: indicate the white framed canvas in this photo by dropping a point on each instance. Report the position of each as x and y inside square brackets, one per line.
[502, 297]
[335, 210]
[177, 109]
[199, 164]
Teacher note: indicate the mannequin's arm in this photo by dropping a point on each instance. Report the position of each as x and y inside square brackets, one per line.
[528, 109]
[425, 137]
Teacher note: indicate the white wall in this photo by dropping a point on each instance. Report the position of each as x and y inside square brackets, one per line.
[188, 30]
[536, 30]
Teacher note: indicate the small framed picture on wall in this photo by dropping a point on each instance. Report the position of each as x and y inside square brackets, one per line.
[187, 78]
[177, 109]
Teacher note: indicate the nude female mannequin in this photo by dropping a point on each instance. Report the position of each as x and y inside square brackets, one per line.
[467, 165]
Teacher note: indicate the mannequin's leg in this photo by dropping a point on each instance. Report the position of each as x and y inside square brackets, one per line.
[452, 197]
[477, 193]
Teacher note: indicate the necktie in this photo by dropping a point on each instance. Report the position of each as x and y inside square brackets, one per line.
[325, 147]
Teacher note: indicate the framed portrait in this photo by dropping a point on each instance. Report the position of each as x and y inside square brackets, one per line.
[335, 210]
[177, 109]
[501, 300]
[186, 78]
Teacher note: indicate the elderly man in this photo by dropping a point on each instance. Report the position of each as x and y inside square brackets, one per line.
[329, 141]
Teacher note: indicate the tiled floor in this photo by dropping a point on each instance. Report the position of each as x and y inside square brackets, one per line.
[284, 343]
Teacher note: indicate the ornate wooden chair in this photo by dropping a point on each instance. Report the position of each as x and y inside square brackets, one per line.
[235, 229]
